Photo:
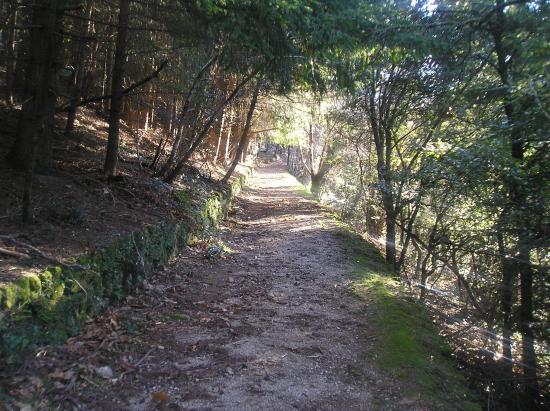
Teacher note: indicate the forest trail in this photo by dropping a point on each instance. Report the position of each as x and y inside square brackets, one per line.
[270, 325]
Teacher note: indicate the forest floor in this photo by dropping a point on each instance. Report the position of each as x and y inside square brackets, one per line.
[270, 324]
[75, 211]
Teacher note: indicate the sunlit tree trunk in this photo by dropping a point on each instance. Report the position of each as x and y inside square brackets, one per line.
[245, 134]
[220, 137]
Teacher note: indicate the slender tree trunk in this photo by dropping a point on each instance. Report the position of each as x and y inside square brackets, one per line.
[83, 27]
[146, 124]
[10, 50]
[423, 277]
[288, 158]
[244, 153]
[528, 355]
[228, 136]
[21, 55]
[506, 300]
[107, 77]
[152, 116]
[111, 157]
[183, 117]
[220, 135]
[245, 135]
[41, 74]
[160, 148]
[407, 235]
[391, 219]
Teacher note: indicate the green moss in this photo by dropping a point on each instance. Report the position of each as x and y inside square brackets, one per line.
[184, 197]
[178, 317]
[305, 192]
[22, 291]
[8, 293]
[408, 346]
[35, 286]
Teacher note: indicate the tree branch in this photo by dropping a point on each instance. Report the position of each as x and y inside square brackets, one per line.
[141, 82]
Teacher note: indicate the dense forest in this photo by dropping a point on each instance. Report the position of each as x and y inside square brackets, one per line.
[423, 124]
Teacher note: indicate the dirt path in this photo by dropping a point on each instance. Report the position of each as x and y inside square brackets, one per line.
[269, 326]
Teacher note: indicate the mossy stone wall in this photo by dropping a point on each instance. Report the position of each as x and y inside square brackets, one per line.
[48, 307]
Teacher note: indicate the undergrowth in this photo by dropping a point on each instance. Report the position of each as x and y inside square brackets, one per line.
[408, 346]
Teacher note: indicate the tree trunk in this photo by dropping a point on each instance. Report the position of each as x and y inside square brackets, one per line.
[288, 158]
[83, 28]
[244, 153]
[111, 157]
[228, 136]
[382, 137]
[177, 139]
[245, 135]
[506, 300]
[10, 51]
[220, 135]
[528, 355]
[315, 188]
[518, 200]
[423, 277]
[391, 219]
[407, 234]
[40, 93]
[107, 77]
[182, 118]
[41, 75]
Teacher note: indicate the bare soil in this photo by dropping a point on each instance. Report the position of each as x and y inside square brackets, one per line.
[270, 324]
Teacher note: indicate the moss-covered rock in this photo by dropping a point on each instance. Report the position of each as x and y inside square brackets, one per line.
[8, 295]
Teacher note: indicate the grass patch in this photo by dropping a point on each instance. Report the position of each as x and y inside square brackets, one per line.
[408, 346]
[303, 190]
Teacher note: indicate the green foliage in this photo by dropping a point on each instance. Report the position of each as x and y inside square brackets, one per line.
[184, 197]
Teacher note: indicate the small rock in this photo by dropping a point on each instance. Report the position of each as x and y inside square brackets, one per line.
[105, 372]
